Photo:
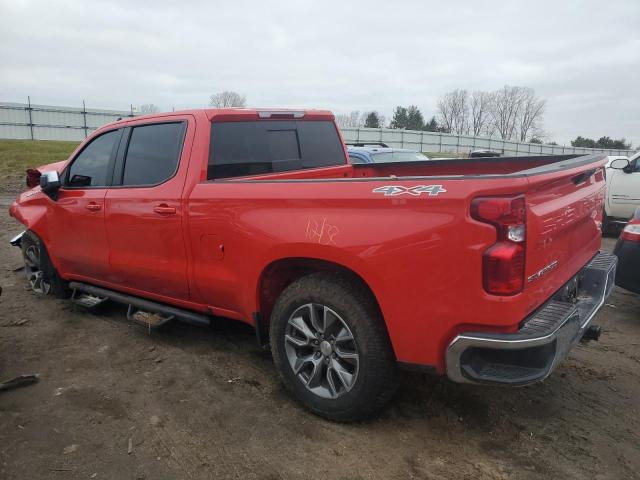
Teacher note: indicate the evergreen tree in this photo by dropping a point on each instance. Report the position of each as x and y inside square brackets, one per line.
[432, 125]
[372, 120]
[400, 118]
[415, 121]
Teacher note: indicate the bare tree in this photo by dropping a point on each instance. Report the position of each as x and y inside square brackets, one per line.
[355, 119]
[228, 99]
[342, 120]
[481, 103]
[511, 113]
[453, 111]
[351, 119]
[148, 108]
[530, 115]
[507, 105]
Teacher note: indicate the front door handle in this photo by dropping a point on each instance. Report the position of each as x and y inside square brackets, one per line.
[164, 209]
[93, 207]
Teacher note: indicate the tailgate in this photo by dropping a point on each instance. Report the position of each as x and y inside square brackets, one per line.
[564, 211]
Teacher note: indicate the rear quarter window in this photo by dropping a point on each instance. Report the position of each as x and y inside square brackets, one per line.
[257, 147]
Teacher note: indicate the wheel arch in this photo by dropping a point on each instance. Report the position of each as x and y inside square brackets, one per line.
[278, 274]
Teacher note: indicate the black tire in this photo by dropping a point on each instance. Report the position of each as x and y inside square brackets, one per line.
[38, 264]
[375, 378]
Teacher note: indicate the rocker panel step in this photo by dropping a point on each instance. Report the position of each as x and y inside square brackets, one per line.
[148, 319]
[86, 299]
[143, 304]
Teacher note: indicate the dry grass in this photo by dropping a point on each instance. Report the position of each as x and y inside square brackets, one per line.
[18, 155]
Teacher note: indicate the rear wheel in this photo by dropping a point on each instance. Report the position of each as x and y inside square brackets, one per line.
[39, 270]
[331, 348]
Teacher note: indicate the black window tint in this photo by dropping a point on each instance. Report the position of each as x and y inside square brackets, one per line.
[252, 148]
[320, 144]
[153, 153]
[283, 144]
[91, 167]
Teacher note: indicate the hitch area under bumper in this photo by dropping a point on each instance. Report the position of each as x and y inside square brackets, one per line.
[545, 337]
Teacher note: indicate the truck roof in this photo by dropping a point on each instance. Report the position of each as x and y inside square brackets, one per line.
[247, 114]
[238, 114]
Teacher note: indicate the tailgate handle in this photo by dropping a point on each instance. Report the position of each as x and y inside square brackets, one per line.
[582, 177]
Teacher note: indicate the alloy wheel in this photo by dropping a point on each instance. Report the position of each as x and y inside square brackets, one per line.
[321, 350]
[32, 268]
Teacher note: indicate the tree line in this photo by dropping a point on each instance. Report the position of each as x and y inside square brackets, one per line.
[509, 113]
[602, 142]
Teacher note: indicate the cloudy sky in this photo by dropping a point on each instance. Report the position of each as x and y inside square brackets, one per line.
[582, 56]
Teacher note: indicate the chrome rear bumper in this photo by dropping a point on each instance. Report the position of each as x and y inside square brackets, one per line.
[545, 337]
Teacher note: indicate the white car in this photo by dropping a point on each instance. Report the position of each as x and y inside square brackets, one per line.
[623, 190]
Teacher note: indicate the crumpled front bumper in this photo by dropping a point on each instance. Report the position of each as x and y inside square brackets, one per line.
[545, 337]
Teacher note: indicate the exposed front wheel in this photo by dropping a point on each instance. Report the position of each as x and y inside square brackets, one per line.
[40, 273]
[331, 347]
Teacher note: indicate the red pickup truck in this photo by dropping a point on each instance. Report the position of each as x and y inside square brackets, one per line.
[486, 270]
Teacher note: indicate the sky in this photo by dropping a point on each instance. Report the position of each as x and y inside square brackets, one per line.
[583, 57]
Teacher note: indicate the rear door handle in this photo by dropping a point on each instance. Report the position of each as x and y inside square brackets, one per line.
[93, 207]
[164, 209]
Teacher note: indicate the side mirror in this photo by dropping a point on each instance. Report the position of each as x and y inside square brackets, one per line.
[50, 184]
[619, 164]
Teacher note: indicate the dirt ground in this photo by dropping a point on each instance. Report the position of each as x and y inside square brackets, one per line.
[114, 402]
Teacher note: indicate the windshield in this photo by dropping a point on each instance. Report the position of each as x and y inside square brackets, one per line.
[382, 157]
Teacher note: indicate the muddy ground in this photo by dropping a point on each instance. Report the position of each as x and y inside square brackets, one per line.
[114, 402]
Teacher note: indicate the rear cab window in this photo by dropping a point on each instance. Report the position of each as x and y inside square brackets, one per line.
[244, 148]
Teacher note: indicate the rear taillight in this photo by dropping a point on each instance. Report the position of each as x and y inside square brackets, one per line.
[33, 177]
[631, 232]
[503, 262]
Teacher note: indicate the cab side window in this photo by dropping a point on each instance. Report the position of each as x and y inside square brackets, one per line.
[153, 153]
[92, 167]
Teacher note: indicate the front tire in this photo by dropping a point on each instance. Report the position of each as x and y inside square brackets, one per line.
[331, 348]
[41, 274]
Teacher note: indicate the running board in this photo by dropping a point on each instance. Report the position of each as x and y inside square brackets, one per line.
[138, 307]
[86, 299]
[148, 319]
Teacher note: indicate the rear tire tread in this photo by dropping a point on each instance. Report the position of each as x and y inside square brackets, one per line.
[349, 297]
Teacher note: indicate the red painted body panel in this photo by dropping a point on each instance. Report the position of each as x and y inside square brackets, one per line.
[145, 230]
[421, 255]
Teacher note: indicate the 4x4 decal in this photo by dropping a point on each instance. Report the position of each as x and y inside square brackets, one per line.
[393, 190]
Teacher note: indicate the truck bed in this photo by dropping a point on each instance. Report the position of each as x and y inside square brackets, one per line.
[449, 168]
